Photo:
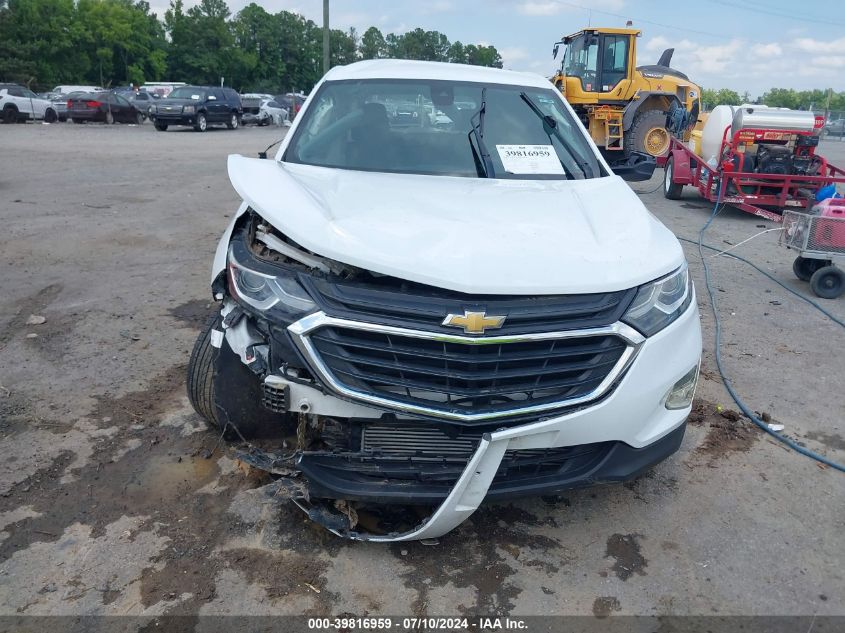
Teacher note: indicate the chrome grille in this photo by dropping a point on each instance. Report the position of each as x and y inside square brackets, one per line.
[460, 377]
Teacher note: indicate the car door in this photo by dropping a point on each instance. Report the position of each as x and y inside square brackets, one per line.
[124, 110]
[217, 107]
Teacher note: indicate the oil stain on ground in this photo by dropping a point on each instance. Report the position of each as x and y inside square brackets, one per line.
[470, 557]
[625, 549]
[603, 607]
[194, 313]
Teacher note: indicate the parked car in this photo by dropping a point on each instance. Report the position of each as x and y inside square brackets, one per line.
[199, 107]
[292, 102]
[834, 128]
[59, 102]
[18, 103]
[262, 110]
[66, 90]
[443, 314]
[105, 107]
[141, 99]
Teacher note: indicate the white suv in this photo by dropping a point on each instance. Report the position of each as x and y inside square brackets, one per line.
[443, 312]
[21, 104]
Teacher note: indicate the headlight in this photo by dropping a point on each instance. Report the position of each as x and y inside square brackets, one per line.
[188, 109]
[660, 302]
[279, 293]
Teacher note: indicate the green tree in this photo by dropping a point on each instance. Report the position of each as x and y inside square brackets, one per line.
[372, 44]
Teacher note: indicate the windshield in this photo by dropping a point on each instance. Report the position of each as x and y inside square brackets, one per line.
[187, 92]
[431, 127]
[581, 60]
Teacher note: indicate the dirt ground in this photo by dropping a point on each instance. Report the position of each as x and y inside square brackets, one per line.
[115, 498]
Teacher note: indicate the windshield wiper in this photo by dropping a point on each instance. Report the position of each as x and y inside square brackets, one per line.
[484, 165]
[550, 128]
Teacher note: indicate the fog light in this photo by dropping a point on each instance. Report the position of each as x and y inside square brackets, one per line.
[681, 394]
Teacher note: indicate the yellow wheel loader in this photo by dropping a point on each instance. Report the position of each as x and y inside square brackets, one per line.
[627, 108]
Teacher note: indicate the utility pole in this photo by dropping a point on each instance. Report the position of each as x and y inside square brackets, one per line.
[325, 36]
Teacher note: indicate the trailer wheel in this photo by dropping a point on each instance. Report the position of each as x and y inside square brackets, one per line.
[671, 190]
[828, 282]
[804, 267]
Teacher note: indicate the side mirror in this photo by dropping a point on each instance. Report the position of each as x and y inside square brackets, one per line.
[639, 166]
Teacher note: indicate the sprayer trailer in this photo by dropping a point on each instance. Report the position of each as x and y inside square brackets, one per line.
[763, 170]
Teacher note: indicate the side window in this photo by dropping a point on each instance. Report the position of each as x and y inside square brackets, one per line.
[15, 91]
[120, 100]
[273, 104]
[218, 93]
[614, 61]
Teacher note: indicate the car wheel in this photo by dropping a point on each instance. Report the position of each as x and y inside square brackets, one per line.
[139, 118]
[200, 381]
[233, 121]
[828, 282]
[10, 114]
[161, 127]
[671, 190]
[50, 116]
[226, 393]
[109, 117]
[201, 124]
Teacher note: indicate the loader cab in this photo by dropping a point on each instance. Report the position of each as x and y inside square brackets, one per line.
[597, 65]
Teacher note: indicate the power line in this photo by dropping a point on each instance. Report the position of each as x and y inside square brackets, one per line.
[753, 7]
[636, 19]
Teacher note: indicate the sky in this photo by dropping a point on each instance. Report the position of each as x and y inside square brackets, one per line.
[745, 45]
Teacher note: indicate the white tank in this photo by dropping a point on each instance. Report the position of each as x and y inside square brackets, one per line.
[772, 119]
[720, 118]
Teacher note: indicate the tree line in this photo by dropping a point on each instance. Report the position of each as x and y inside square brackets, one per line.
[817, 100]
[44, 43]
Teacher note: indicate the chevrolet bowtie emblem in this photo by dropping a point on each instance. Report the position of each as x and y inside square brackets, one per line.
[474, 322]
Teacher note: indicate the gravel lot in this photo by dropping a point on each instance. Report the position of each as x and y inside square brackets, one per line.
[115, 499]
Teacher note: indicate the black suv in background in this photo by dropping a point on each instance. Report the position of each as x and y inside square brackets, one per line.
[199, 107]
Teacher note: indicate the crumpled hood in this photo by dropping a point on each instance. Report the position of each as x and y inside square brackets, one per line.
[470, 235]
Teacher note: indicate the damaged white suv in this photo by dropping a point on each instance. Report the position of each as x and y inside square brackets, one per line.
[438, 294]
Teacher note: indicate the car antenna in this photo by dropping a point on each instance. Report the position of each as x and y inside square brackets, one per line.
[264, 153]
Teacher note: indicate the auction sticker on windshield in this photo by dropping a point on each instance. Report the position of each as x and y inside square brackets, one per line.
[530, 159]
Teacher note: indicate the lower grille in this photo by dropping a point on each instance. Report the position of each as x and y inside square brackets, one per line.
[473, 377]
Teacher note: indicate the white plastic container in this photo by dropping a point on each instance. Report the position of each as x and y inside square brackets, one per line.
[721, 117]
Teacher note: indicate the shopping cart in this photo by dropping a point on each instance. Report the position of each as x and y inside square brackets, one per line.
[819, 239]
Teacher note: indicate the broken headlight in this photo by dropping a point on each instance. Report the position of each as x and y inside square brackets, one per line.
[280, 293]
[660, 302]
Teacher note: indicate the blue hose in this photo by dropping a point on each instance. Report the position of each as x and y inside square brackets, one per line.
[718, 344]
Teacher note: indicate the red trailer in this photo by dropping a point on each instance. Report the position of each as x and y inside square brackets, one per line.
[789, 180]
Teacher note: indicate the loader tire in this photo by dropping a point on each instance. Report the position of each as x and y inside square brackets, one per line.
[648, 134]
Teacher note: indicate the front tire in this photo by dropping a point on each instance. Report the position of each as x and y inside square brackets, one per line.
[226, 393]
[10, 114]
[828, 282]
[234, 122]
[201, 124]
[648, 134]
[671, 189]
[50, 116]
[161, 127]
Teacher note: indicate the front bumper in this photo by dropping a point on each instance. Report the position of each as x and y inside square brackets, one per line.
[629, 429]
[174, 119]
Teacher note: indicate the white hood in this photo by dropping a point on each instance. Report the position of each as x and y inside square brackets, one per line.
[470, 235]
